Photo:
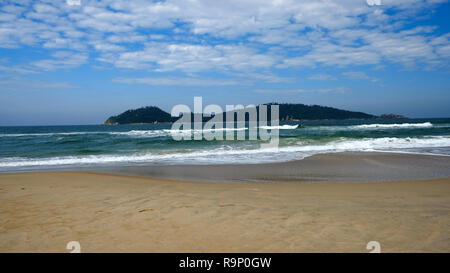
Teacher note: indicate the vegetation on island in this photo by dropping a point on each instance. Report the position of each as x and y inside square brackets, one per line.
[149, 114]
[287, 112]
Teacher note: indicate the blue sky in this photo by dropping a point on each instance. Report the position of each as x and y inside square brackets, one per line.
[78, 62]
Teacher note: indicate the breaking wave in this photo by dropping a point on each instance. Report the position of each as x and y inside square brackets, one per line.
[228, 154]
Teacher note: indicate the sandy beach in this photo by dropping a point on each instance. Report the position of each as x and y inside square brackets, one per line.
[41, 212]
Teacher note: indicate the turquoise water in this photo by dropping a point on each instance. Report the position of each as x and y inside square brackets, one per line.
[38, 147]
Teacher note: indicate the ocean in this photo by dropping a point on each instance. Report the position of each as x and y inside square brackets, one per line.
[28, 148]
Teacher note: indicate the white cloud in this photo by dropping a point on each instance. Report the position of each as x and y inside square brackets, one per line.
[62, 60]
[177, 81]
[293, 91]
[241, 36]
[16, 69]
[322, 77]
[73, 2]
[359, 75]
[165, 57]
[24, 84]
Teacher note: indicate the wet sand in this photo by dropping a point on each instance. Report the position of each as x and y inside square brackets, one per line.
[338, 167]
[42, 212]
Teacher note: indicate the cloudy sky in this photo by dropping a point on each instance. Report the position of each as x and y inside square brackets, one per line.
[78, 62]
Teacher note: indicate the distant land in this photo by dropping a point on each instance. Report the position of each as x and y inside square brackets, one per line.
[287, 111]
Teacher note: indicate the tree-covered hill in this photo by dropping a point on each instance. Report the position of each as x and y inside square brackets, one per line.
[287, 111]
[150, 114]
[302, 111]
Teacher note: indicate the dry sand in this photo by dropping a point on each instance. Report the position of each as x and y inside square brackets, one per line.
[41, 212]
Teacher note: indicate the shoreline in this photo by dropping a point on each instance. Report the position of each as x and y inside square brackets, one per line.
[320, 168]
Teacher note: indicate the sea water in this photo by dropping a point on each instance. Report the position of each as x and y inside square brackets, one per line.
[44, 147]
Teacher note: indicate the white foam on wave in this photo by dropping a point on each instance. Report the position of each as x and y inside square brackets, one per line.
[372, 144]
[167, 132]
[281, 127]
[190, 131]
[149, 133]
[51, 134]
[140, 133]
[132, 133]
[393, 126]
[228, 154]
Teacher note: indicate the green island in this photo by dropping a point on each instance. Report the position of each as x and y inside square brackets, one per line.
[287, 112]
